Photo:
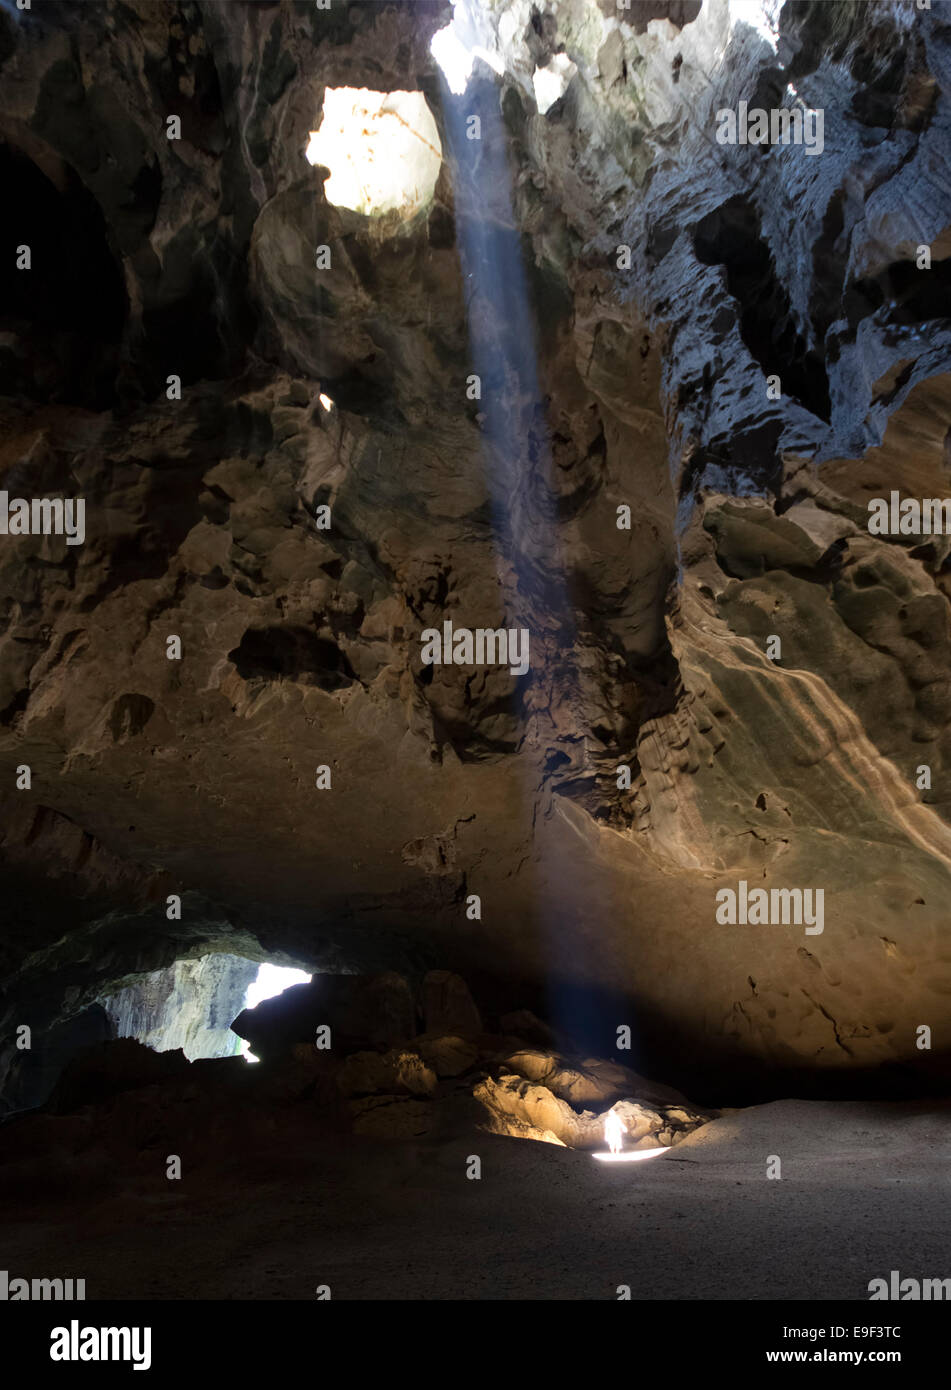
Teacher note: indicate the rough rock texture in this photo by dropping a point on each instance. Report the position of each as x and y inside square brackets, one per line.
[527, 1111]
[603, 386]
[592, 1081]
[427, 1082]
[189, 1006]
[366, 1072]
[448, 1056]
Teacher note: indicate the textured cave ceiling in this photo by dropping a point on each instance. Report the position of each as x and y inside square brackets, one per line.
[602, 387]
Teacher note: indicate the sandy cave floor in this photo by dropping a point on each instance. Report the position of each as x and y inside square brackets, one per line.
[865, 1189]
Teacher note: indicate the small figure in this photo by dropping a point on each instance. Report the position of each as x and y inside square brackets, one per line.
[613, 1130]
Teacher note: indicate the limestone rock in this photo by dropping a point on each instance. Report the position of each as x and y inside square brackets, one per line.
[110, 1069]
[448, 1006]
[190, 1005]
[303, 1074]
[515, 1106]
[635, 386]
[649, 1128]
[592, 1081]
[524, 1109]
[448, 1056]
[367, 1072]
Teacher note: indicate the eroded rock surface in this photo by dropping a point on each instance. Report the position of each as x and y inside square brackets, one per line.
[604, 385]
[190, 1006]
[529, 1111]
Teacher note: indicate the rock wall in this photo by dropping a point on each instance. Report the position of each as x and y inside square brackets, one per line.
[190, 1005]
[606, 384]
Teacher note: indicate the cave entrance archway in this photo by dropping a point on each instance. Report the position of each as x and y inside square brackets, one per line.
[192, 1003]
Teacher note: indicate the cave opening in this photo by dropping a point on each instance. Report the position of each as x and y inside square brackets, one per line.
[465, 38]
[382, 150]
[192, 1003]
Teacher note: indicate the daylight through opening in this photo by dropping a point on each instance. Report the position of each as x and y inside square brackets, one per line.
[192, 1003]
[382, 150]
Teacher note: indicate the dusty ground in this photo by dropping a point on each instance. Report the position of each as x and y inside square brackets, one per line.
[864, 1190]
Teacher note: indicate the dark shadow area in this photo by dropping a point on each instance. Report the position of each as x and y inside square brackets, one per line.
[62, 319]
[295, 653]
[912, 296]
[730, 236]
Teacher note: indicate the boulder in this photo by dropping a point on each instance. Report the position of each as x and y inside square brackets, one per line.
[593, 1081]
[361, 1010]
[523, 1024]
[383, 1008]
[647, 1128]
[520, 1108]
[448, 1006]
[110, 1068]
[303, 1074]
[364, 1073]
[447, 1055]
[525, 1109]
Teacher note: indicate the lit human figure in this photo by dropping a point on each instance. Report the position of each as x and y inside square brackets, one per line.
[613, 1130]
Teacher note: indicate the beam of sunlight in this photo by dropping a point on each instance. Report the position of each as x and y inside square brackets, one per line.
[519, 470]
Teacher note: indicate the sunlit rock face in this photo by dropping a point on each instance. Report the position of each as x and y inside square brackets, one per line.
[613, 380]
[191, 1005]
[517, 1107]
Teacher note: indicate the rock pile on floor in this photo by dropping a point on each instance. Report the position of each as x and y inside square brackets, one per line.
[396, 1060]
[396, 1081]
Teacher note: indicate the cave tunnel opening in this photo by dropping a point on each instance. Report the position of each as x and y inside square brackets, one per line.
[63, 304]
[192, 1003]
